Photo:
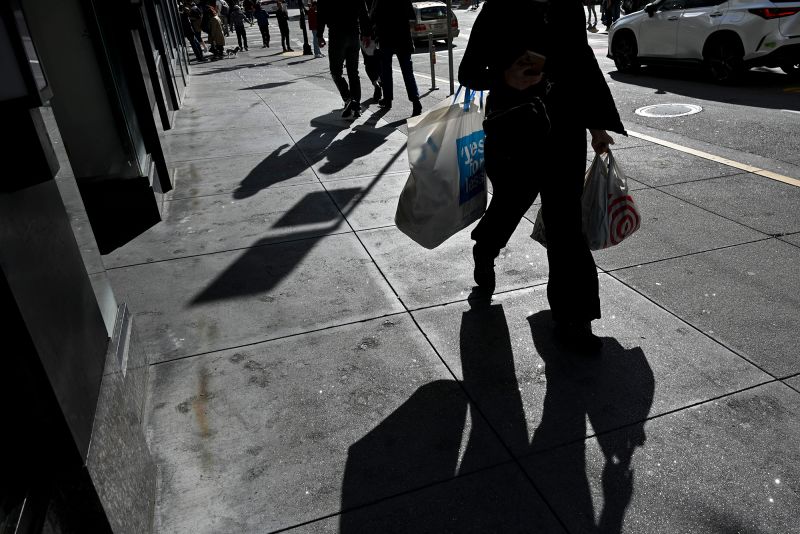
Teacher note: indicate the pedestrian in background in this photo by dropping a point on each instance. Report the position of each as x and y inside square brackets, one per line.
[544, 64]
[238, 19]
[347, 21]
[196, 17]
[312, 27]
[262, 18]
[216, 33]
[391, 21]
[590, 11]
[223, 9]
[249, 10]
[189, 34]
[282, 16]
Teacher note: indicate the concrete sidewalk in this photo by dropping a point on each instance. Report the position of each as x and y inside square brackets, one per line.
[314, 370]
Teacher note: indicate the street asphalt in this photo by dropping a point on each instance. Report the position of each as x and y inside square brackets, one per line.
[314, 370]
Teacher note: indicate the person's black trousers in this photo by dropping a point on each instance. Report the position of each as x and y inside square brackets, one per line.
[556, 171]
[372, 65]
[284, 28]
[264, 34]
[343, 51]
[406, 68]
[241, 36]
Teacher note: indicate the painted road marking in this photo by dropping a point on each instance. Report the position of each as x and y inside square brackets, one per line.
[725, 161]
[427, 77]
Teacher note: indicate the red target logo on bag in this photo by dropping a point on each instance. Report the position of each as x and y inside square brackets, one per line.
[623, 219]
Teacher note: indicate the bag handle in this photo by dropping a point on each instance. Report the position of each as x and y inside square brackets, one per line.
[469, 96]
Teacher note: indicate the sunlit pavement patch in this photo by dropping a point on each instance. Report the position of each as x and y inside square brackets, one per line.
[668, 110]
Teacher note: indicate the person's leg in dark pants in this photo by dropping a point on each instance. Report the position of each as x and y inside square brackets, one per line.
[284, 27]
[372, 65]
[386, 77]
[336, 59]
[352, 50]
[241, 37]
[572, 287]
[264, 35]
[410, 82]
[514, 189]
[199, 37]
[198, 52]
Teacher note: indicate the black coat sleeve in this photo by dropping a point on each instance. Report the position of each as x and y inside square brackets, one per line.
[586, 78]
[477, 66]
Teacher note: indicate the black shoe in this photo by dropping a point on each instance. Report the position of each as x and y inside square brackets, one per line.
[578, 336]
[416, 108]
[351, 109]
[385, 104]
[484, 270]
[289, 50]
[376, 96]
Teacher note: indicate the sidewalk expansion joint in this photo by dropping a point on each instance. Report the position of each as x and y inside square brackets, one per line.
[278, 241]
[422, 487]
[278, 338]
[688, 254]
[659, 188]
[648, 419]
[694, 327]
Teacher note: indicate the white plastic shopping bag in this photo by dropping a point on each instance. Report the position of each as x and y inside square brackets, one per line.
[609, 212]
[446, 190]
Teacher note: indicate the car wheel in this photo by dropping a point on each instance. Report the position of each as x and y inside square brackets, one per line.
[792, 69]
[724, 60]
[625, 53]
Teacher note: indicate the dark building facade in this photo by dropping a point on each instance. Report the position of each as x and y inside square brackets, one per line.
[87, 88]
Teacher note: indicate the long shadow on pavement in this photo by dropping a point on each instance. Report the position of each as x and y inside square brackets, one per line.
[615, 393]
[261, 268]
[319, 144]
[421, 444]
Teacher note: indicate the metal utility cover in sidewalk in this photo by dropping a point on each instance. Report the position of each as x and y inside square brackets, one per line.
[668, 110]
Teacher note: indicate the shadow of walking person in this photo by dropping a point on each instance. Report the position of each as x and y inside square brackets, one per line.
[322, 144]
[614, 391]
[440, 445]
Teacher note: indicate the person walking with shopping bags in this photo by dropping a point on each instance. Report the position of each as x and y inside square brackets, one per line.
[536, 144]
[347, 21]
[391, 20]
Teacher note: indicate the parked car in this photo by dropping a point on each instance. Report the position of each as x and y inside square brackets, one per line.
[270, 6]
[727, 37]
[431, 18]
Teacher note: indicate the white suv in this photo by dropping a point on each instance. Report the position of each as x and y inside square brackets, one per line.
[727, 37]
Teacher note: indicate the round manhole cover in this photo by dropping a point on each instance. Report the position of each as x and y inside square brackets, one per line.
[668, 110]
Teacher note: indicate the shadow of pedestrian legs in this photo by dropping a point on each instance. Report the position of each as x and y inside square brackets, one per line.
[436, 436]
[319, 144]
[614, 391]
